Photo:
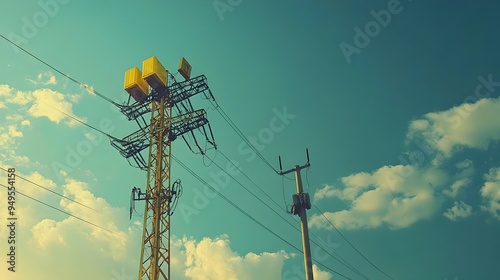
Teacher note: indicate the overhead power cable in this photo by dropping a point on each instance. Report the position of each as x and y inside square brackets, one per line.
[82, 122]
[240, 133]
[352, 245]
[62, 211]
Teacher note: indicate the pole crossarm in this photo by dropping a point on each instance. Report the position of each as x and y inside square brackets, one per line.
[176, 93]
[188, 122]
[132, 145]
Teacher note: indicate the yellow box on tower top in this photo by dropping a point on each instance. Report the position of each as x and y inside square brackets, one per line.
[135, 85]
[154, 73]
[185, 68]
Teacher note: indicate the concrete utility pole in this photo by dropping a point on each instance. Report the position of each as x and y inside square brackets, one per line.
[302, 202]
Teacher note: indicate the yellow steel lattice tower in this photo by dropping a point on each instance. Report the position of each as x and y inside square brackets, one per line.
[155, 252]
[150, 93]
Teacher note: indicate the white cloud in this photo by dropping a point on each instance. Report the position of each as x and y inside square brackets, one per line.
[49, 103]
[397, 196]
[45, 78]
[213, 259]
[6, 141]
[472, 125]
[21, 98]
[456, 187]
[13, 132]
[326, 192]
[49, 236]
[321, 275]
[2, 105]
[490, 193]
[15, 117]
[5, 91]
[33, 190]
[43, 103]
[25, 123]
[459, 210]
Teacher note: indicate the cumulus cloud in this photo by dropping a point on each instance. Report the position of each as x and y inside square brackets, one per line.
[463, 178]
[48, 235]
[326, 192]
[45, 78]
[49, 103]
[490, 193]
[459, 210]
[30, 189]
[43, 103]
[6, 140]
[321, 275]
[397, 196]
[13, 132]
[456, 187]
[5, 90]
[20, 98]
[470, 125]
[212, 259]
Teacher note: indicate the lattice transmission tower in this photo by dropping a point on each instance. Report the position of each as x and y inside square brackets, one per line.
[155, 92]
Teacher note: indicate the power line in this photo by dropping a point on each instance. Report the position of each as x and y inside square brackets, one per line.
[81, 122]
[62, 211]
[347, 240]
[56, 193]
[240, 133]
[229, 201]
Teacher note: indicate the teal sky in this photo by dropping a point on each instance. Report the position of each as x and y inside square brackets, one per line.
[397, 101]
